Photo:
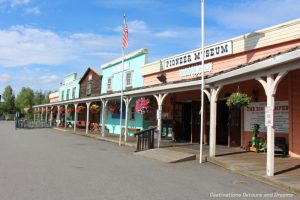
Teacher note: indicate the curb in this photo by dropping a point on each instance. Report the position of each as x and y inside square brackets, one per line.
[254, 176]
[96, 137]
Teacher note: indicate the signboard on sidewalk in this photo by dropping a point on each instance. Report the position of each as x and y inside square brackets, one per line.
[255, 113]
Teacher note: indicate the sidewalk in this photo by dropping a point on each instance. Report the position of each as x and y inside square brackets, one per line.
[253, 165]
[287, 170]
[131, 141]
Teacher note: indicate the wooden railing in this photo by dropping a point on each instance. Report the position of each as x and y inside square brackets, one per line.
[145, 139]
[28, 124]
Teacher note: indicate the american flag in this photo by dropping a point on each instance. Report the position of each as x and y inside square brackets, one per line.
[125, 34]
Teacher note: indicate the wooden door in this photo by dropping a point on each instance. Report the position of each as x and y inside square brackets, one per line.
[222, 123]
[234, 127]
[196, 118]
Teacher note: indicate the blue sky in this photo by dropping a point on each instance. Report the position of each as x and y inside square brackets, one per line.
[41, 41]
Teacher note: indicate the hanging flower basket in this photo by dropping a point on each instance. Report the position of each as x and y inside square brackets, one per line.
[70, 110]
[238, 99]
[62, 109]
[114, 107]
[94, 108]
[80, 109]
[54, 110]
[142, 105]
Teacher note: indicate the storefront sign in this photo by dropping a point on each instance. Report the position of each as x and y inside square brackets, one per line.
[195, 70]
[255, 114]
[119, 68]
[191, 57]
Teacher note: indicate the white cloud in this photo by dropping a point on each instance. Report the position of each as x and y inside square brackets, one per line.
[14, 3]
[48, 79]
[4, 78]
[135, 26]
[34, 10]
[122, 3]
[21, 46]
[167, 33]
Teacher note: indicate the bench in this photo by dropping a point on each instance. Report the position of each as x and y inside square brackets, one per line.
[134, 130]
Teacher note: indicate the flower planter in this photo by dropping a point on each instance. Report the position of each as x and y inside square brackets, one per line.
[143, 105]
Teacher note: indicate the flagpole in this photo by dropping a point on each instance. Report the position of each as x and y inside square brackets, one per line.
[121, 100]
[125, 43]
[202, 81]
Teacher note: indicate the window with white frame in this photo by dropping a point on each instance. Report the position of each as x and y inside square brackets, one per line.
[73, 92]
[132, 113]
[89, 89]
[109, 83]
[62, 95]
[68, 93]
[128, 79]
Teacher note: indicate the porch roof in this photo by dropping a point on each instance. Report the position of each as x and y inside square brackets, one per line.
[283, 61]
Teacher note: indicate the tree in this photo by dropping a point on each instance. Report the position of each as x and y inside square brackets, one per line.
[41, 97]
[25, 99]
[8, 104]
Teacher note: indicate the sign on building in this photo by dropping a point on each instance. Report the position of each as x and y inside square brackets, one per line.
[255, 114]
[195, 56]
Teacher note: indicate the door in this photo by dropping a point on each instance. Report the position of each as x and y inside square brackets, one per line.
[234, 127]
[182, 119]
[222, 123]
[196, 118]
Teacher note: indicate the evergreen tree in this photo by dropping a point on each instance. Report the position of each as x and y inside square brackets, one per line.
[8, 104]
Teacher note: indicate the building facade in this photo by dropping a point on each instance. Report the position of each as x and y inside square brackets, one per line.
[69, 88]
[132, 79]
[264, 64]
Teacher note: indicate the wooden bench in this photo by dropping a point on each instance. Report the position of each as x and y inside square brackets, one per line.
[134, 130]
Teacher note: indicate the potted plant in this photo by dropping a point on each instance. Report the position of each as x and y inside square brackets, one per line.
[70, 110]
[54, 109]
[95, 108]
[80, 109]
[61, 109]
[238, 99]
[142, 105]
[114, 107]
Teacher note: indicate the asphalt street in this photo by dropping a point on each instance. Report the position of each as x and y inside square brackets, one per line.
[46, 164]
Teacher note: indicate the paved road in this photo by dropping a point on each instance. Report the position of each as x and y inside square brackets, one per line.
[46, 164]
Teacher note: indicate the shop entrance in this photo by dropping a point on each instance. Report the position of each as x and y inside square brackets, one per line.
[187, 121]
[228, 125]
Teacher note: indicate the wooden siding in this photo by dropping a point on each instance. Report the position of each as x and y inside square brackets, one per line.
[225, 63]
[151, 68]
[266, 37]
[96, 85]
[246, 48]
[295, 119]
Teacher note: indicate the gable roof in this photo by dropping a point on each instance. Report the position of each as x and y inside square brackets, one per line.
[86, 73]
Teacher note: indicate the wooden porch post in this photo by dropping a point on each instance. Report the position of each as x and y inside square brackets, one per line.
[75, 117]
[213, 121]
[104, 116]
[127, 101]
[65, 125]
[270, 87]
[159, 98]
[87, 117]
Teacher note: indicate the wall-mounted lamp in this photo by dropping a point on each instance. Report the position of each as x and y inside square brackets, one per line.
[162, 78]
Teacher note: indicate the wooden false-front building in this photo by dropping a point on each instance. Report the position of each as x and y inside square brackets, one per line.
[90, 84]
